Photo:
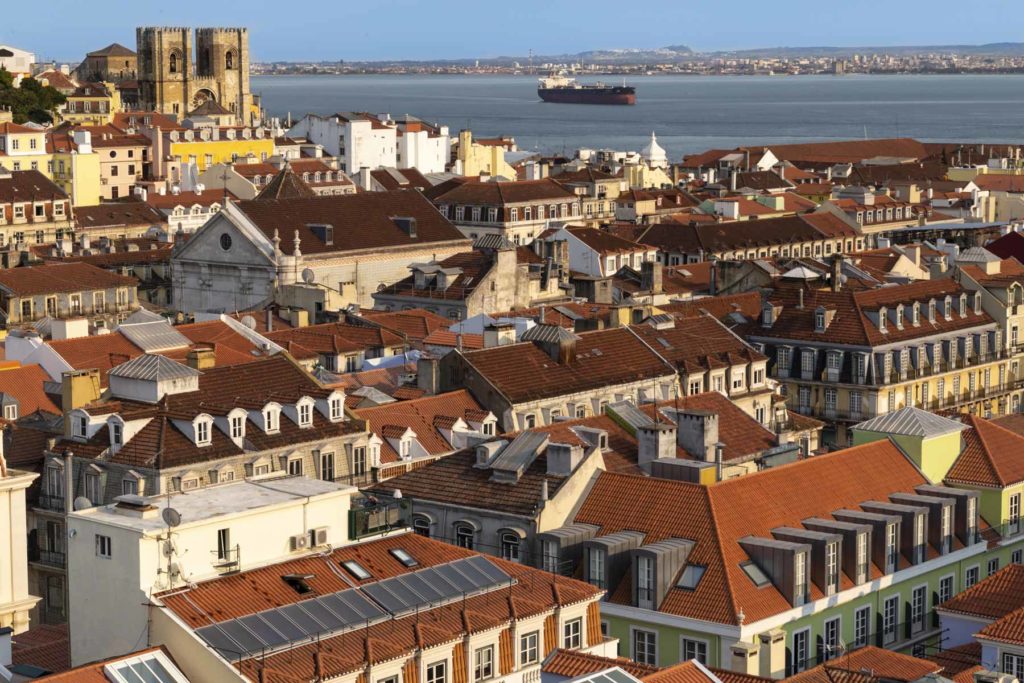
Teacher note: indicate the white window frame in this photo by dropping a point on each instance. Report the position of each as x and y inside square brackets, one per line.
[831, 650]
[529, 648]
[436, 672]
[483, 663]
[104, 547]
[861, 635]
[890, 630]
[799, 662]
[698, 647]
[968, 581]
[648, 652]
[572, 634]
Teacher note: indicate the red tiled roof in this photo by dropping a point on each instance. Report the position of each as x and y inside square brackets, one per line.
[1010, 245]
[880, 664]
[361, 221]
[479, 193]
[690, 672]
[47, 647]
[698, 345]
[60, 277]
[573, 663]
[718, 237]
[186, 199]
[993, 182]
[959, 663]
[717, 516]
[26, 385]
[605, 242]
[94, 672]
[415, 323]
[335, 338]
[524, 372]
[421, 416]
[468, 340]
[118, 214]
[851, 323]
[747, 304]
[994, 597]
[28, 186]
[992, 456]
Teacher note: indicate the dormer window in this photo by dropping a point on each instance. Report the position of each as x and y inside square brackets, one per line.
[947, 307]
[767, 315]
[915, 314]
[899, 316]
[337, 408]
[977, 303]
[116, 433]
[819, 320]
[931, 310]
[11, 411]
[963, 305]
[80, 425]
[882, 313]
[405, 448]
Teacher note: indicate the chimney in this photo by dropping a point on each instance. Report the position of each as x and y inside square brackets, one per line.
[318, 668]
[697, 433]
[428, 375]
[201, 358]
[733, 180]
[299, 317]
[655, 441]
[69, 481]
[365, 179]
[651, 277]
[270, 320]
[837, 273]
[746, 159]
[78, 388]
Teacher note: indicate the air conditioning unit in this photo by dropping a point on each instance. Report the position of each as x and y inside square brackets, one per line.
[318, 536]
[300, 542]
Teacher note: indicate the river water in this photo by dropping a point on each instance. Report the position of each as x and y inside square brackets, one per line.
[689, 114]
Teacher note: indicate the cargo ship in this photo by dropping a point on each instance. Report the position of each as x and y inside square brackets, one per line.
[564, 90]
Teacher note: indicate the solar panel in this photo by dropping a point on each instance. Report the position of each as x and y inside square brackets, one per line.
[353, 608]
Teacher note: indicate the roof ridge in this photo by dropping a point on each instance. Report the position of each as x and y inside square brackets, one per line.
[736, 608]
[993, 465]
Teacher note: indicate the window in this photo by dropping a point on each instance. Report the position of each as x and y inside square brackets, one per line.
[437, 672]
[971, 576]
[945, 589]
[359, 461]
[861, 626]
[800, 577]
[272, 419]
[421, 525]
[695, 649]
[549, 553]
[917, 604]
[104, 547]
[1015, 513]
[336, 408]
[891, 547]
[223, 544]
[483, 663]
[890, 617]
[993, 566]
[295, 467]
[572, 634]
[1013, 664]
[832, 568]
[645, 582]
[1016, 555]
[305, 414]
[327, 466]
[800, 650]
[464, 536]
[595, 565]
[510, 546]
[529, 648]
[237, 427]
[129, 487]
[645, 647]
[202, 433]
[831, 639]
[261, 470]
[92, 488]
[529, 421]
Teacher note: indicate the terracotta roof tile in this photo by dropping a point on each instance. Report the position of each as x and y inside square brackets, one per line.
[60, 277]
[414, 323]
[476, 192]
[992, 598]
[524, 372]
[47, 647]
[717, 516]
[884, 665]
[26, 385]
[573, 663]
[959, 663]
[992, 456]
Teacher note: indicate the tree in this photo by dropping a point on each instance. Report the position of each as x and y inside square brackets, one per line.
[31, 101]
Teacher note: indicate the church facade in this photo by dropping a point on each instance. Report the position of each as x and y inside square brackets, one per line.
[179, 72]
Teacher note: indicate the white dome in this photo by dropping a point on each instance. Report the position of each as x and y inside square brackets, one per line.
[654, 154]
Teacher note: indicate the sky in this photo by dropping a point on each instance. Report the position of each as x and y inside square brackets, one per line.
[451, 29]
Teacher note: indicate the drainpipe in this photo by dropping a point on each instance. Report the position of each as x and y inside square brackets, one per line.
[69, 481]
[719, 448]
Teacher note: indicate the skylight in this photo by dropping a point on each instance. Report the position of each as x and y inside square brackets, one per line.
[298, 582]
[755, 574]
[356, 570]
[405, 558]
[691, 576]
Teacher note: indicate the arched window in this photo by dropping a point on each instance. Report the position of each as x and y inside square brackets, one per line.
[510, 546]
[174, 63]
[464, 536]
[421, 525]
[229, 60]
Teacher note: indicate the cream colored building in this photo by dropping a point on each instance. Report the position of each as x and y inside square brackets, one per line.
[15, 600]
[487, 157]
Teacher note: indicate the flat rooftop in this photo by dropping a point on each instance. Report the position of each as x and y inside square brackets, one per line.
[222, 500]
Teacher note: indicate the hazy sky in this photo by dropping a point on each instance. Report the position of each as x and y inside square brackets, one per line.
[411, 29]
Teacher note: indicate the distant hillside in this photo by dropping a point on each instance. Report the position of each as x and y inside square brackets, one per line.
[989, 49]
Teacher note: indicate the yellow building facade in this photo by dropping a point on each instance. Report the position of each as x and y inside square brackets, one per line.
[92, 104]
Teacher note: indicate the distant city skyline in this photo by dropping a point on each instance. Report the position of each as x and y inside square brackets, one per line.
[456, 29]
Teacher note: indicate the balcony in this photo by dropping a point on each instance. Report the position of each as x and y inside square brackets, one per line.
[379, 515]
[49, 502]
[834, 414]
[51, 558]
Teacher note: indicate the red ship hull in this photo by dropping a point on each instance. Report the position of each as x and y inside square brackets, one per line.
[619, 95]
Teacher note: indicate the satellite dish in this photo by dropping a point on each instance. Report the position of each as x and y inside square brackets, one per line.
[308, 276]
[249, 322]
[82, 503]
[171, 516]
